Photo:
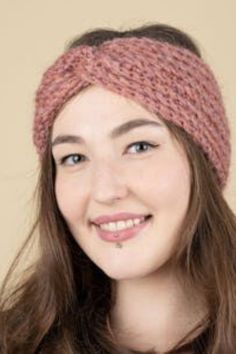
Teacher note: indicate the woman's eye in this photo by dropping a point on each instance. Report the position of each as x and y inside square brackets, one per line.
[145, 146]
[71, 159]
[139, 147]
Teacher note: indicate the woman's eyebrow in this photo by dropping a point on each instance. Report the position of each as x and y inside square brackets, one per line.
[116, 132]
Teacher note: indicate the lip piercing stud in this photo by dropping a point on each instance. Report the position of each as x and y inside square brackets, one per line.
[118, 245]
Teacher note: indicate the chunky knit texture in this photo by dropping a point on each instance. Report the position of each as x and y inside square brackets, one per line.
[168, 80]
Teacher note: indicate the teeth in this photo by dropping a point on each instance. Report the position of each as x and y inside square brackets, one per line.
[120, 225]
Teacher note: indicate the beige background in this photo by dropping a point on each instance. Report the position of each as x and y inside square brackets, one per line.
[33, 33]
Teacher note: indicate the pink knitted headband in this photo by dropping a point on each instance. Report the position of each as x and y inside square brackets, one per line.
[169, 81]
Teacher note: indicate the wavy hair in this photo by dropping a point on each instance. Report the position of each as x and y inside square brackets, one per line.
[49, 310]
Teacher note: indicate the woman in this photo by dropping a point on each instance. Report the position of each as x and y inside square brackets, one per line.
[136, 248]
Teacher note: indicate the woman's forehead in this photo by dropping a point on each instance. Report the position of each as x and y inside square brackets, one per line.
[96, 105]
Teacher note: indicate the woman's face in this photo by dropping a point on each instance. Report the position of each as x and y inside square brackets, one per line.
[108, 174]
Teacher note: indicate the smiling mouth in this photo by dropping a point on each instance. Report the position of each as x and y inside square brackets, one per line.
[124, 234]
[145, 218]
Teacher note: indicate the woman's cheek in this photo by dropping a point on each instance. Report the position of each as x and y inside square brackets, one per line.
[64, 196]
[71, 198]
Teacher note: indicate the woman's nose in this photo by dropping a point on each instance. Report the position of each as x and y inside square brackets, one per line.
[108, 184]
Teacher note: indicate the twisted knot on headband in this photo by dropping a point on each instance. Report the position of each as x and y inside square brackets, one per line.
[167, 80]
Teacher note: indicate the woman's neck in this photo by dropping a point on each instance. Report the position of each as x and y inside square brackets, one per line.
[155, 311]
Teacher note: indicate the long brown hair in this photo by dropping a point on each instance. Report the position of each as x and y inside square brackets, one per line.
[62, 301]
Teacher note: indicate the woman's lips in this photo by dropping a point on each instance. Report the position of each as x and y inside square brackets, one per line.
[122, 235]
